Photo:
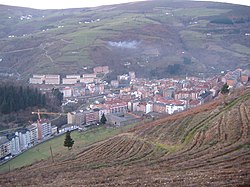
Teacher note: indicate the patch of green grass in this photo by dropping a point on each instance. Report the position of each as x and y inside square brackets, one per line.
[240, 48]
[199, 12]
[167, 148]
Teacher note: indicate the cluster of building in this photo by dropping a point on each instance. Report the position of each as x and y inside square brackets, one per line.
[14, 143]
[69, 79]
[126, 100]
[236, 78]
[165, 96]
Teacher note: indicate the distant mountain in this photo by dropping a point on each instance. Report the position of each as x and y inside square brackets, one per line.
[156, 38]
[205, 146]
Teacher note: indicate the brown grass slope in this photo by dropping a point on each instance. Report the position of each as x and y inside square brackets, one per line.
[207, 146]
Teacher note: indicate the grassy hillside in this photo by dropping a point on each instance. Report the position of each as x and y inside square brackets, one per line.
[208, 145]
[148, 35]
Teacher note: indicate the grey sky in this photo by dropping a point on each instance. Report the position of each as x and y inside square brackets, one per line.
[58, 4]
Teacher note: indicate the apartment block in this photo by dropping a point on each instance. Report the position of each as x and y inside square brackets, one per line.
[52, 79]
[35, 81]
[5, 149]
[101, 69]
[69, 80]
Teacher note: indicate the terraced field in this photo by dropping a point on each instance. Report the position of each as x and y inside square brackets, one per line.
[207, 146]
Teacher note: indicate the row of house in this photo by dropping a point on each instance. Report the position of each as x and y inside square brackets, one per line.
[79, 90]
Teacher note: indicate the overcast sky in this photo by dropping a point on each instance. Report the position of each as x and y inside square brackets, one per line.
[59, 4]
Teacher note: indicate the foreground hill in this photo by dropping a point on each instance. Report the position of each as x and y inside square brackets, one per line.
[206, 146]
[153, 38]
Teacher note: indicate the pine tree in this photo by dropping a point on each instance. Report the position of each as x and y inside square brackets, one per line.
[103, 119]
[68, 142]
[225, 89]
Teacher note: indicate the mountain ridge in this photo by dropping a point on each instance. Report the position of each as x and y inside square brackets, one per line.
[167, 33]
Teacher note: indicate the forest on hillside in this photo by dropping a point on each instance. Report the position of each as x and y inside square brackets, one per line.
[15, 98]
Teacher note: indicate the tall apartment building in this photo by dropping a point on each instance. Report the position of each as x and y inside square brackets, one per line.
[14, 143]
[5, 149]
[33, 133]
[43, 129]
[24, 138]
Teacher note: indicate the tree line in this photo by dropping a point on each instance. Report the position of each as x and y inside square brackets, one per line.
[15, 98]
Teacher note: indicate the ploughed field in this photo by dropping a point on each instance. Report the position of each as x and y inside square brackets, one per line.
[205, 146]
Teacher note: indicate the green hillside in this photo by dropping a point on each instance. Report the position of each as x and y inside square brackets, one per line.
[149, 35]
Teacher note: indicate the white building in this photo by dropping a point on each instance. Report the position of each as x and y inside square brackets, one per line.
[171, 108]
[149, 107]
[73, 77]
[14, 143]
[52, 79]
[69, 80]
[35, 81]
[24, 139]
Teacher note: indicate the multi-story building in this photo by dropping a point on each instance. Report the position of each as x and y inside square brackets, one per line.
[101, 69]
[76, 118]
[35, 81]
[132, 75]
[14, 143]
[52, 79]
[33, 133]
[87, 80]
[69, 80]
[114, 83]
[24, 138]
[73, 77]
[89, 75]
[67, 92]
[91, 117]
[5, 149]
[44, 129]
[182, 94]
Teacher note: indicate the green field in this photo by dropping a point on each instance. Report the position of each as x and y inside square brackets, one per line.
[42, 151]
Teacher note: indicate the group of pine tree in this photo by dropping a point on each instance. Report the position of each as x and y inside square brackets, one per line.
[15, 98]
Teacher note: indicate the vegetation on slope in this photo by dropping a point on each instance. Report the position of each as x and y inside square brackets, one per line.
[13, 98]
[166, 32]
